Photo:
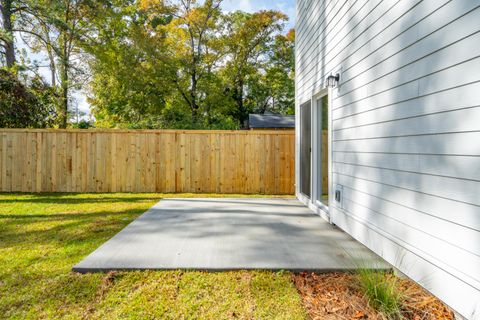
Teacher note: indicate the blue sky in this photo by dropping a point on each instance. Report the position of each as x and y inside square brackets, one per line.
[286, 6]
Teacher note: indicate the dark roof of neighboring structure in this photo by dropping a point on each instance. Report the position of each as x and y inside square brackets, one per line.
[270, 121]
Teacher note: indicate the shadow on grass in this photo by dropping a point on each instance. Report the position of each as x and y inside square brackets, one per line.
[68, 216]
[61, 229]
[60, 200]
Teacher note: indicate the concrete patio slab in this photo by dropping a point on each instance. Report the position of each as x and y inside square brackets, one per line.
[229, 234]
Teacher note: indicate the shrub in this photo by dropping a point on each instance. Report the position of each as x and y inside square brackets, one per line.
[23, 106]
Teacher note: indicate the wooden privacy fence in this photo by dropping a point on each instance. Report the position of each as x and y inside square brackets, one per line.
[147, 161]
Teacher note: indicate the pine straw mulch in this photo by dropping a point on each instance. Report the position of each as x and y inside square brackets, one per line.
[337, 296]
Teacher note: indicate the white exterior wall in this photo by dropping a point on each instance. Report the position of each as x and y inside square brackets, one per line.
[405, 131]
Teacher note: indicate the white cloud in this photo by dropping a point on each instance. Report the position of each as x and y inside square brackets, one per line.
[244, 5]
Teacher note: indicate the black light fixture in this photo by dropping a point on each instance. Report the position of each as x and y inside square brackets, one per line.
[332, 80]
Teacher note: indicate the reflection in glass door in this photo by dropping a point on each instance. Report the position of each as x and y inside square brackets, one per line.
[321, 141]
[305, 148]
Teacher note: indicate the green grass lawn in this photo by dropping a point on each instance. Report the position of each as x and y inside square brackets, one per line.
[42, 236]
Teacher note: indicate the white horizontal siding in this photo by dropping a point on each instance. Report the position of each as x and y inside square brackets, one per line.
[402, 225]
[457, 75]
[451, 188]
[442, 101]
[405, 131]
[459, 120]
[444, 144]
[355, 31]
[465, 214]
[402, 31]
[410, 260]
[462, 242]
[421, 41]
[462, 167]
[386, 76]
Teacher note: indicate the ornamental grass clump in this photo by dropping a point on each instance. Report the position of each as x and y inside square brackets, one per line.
[381, 291]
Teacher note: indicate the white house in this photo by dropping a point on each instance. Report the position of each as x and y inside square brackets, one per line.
[396, 84]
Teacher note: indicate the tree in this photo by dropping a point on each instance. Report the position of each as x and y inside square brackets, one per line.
[148, 46]
[9, 10]
[129, 84]
[57, 28]
[279, 79]
[6, 34]
[23, 106]
[248, 41]
[193, 51]
[186, 64]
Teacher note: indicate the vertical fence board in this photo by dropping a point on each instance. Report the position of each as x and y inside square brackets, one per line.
[170, 162]
[18, 161]
[147, 161]
[27, 165]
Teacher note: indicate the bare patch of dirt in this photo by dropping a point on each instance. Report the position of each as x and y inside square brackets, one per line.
[337, 296]
[108, 281]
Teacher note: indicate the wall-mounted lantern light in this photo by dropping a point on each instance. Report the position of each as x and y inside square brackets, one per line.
[332, 80]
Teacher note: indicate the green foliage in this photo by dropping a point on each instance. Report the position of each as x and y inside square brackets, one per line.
[281, 74]
[273, 88]
[250, 71]
[82, 124]
[189, 66]
[56, 29]
[380, 288]
[25, 106]
[158, 64]
[129, 90]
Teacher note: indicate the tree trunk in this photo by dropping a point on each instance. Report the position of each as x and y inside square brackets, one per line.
[193, 98]
[64, 104]
[6, 6]
[241, 112]
[64, 67]
[53, 71]
[51, 57]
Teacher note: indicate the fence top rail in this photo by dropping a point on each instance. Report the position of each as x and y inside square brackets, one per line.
[164, 131]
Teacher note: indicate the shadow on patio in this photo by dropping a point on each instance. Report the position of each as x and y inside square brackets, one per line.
[230, 234]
